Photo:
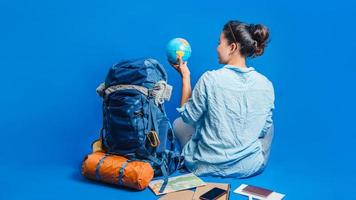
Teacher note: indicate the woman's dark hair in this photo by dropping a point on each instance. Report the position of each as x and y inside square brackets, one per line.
[252, 38]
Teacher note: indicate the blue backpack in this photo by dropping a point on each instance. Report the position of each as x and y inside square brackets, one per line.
[135, 124]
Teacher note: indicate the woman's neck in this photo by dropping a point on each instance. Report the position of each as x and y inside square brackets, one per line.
[238, 61]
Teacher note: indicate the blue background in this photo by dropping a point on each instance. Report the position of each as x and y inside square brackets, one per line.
[53, 54]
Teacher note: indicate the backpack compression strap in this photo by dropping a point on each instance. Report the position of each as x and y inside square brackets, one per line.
[103, 91]
[161, 91]
[164, 170]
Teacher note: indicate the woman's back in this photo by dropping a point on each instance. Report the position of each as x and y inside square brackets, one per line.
[236, 103]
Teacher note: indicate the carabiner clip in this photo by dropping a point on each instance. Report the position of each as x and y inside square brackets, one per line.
[153, 138]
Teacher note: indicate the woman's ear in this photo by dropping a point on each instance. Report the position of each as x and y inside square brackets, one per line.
[233, 47]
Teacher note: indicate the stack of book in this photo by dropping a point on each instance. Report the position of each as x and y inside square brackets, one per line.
[180, 188]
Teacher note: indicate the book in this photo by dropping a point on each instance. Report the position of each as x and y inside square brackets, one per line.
[247, 192]
[176, 183]
[202, 189]
[262, 192]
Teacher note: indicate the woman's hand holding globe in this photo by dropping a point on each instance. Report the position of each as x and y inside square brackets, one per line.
[178, 52]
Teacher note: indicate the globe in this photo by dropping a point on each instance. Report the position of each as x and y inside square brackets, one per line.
[178, 47]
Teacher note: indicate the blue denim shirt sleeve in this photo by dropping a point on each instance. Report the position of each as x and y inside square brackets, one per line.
[195, 107]
[269, 120]
[268, 124]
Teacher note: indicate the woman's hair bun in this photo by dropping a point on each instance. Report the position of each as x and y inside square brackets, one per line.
[260, 34]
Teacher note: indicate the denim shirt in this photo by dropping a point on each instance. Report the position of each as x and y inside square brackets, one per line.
[230, 108]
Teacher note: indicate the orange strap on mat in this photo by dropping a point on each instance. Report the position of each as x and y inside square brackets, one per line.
[117, 170]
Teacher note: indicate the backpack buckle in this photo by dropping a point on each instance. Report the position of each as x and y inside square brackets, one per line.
[150, 94]
[153, 138]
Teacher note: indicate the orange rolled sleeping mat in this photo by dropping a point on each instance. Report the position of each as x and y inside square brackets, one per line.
[117, 170]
